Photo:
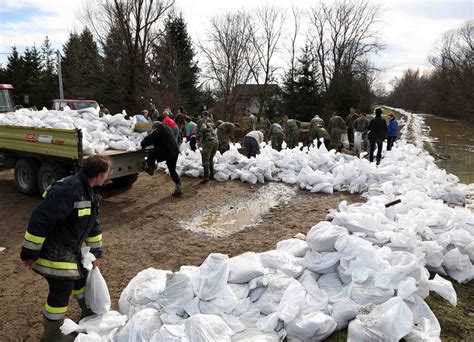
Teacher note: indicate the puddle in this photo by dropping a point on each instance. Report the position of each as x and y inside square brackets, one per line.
[236, 216]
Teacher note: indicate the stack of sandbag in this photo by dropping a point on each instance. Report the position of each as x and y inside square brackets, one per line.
[98, 133]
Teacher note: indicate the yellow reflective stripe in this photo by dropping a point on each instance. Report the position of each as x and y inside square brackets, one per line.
[33, 238]
[45, 193]
[57, 264]
[96, 238]
[54, 310]
[80, 291]
[84, 212]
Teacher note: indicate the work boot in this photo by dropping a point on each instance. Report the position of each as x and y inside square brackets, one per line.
[85, 310]
[148, 169]
[206, 175]
[204, 181]
[178, 192]
[52, 333]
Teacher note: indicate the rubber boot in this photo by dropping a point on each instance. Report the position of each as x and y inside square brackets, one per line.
[52, 333]
[178, 192]
[212, 173]
[206, 175]
[85, 310]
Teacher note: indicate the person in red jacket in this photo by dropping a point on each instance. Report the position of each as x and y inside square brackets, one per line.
[171, 124]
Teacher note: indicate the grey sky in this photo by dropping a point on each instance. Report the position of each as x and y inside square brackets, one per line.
[409, 29]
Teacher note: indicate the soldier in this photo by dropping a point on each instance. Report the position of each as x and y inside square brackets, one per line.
[205, 118]
[292, 130]
[335, 126]
[276, 135]
[361, 126]
[225, 134]
[250, 121]
[349, 121]
[316, 121]
[208, 140]
[251, 142]
[318, 132]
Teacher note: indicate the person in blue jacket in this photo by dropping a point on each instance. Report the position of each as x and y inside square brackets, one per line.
[392, 131]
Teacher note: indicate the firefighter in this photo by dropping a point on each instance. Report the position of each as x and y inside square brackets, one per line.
[66, 218]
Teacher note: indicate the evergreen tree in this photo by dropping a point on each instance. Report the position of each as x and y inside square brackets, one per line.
[174, 69]
[301, 94]
[49, 79]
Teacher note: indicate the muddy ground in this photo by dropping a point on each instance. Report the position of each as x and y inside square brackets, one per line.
[140, 230]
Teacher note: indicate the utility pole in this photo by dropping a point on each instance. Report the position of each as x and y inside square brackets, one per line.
[60, 76]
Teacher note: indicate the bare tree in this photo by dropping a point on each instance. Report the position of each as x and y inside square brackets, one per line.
[269, 22]
[138, 21]
[343, 33]
[296, 16]
[226, 50]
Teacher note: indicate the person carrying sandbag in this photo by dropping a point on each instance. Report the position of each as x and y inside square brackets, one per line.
[66, 218]
[208, 140]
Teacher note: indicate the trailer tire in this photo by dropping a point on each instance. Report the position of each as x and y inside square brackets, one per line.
[47, 175]
[25, 176]
[126, 180]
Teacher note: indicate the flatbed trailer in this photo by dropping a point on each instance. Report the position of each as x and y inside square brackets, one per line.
[41, 156]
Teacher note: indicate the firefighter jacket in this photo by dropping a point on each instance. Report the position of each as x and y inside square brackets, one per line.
[65, 220]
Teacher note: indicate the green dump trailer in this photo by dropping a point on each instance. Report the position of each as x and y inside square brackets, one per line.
[40, 156]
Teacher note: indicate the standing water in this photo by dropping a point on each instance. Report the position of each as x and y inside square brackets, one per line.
[454, 140]
[230, 218]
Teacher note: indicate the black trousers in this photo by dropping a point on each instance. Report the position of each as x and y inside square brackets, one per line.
[58, 297]
[350, 136]
[170, 162]
[373, 143]
[192, 143]
[251, 147]
[390, 141]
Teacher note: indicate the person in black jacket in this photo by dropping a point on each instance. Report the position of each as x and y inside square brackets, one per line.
[66, 218]
[377, 134]
[165, 148]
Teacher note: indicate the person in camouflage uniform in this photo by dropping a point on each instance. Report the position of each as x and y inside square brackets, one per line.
[292, 130]
[318, 132]
[276, 135]
[335, 126]
[349, 122]
[208, 140]
[316, 121]
[361, 125]
[250, 121]
[225, 134]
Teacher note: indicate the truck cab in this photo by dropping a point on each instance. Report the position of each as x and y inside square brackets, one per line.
[6, 99]
[75, 104]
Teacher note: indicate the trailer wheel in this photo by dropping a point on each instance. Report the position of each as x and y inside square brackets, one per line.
[47, 175]
[25, 177]
[125, 180]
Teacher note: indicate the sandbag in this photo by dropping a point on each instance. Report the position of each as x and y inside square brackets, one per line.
[97, 293]
[141, 327]
[323, 236]
[211, 279]
[206, 328]
[295, 247]
[315, 326]
[244, 267]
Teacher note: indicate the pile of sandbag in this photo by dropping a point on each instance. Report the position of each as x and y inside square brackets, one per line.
[302, 290]
[98, 133]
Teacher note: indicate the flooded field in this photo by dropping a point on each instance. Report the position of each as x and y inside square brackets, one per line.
[454, 140]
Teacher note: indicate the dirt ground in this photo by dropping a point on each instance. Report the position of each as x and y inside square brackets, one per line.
[140, 230]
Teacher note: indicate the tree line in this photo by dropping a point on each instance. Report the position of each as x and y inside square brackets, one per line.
[448, 90]
[134, 52]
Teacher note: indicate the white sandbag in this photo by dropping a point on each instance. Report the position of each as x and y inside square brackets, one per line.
[92, 337]
[141, 327]
[343, 312]
[403, 264]
[97, 293]
[211, 279]
[426, 326]
[444, 288]
[458, 266]
[100, 324]
[245, 267]
[170, 333]
[241, 291]
[281, 261]
[323, 236]
[177, 293]
[324, 262]
[367, 293]
[226, 302]
[390, 321]
[206, 328]
[255, 335]
[295, 247]
[291, 302]
[315, 326]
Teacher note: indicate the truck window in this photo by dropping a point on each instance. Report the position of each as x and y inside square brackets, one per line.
[6, 104]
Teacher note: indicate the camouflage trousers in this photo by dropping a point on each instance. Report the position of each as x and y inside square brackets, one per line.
[277, 140]
[209, 149]
[293, 139]
[223, 143]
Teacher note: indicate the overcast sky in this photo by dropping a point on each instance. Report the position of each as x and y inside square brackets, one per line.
[409, 29]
